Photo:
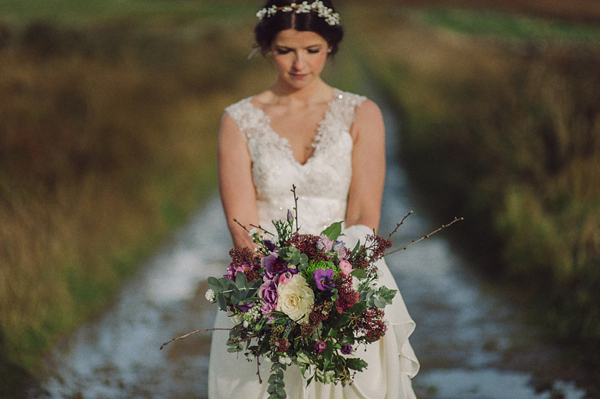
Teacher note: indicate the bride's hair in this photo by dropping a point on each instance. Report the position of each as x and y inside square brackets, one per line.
[269, 26]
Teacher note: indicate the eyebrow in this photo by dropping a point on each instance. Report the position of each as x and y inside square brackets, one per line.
[291, 48]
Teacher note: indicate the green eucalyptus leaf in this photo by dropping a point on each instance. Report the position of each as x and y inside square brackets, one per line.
[281, 392]
[380, 302]
[241, 281]
[333, 231]
[303, 259]
[215, 284]
[359, 273]
[222, 303]
[236, 297]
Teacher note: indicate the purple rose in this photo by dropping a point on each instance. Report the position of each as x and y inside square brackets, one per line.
[346, 349]
[268, 293]
[320, 346]
[324, 279]
[270, 264]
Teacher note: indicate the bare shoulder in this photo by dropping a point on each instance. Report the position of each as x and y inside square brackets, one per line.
[367, 109]
[227, 122]
[368, 118]
[230, 133]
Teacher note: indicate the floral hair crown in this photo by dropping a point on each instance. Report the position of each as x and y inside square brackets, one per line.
[331, 17]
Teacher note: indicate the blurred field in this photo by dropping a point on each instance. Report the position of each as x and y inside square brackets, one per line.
[573, 10]
[107, 142]
[108, 119]
[505, 131]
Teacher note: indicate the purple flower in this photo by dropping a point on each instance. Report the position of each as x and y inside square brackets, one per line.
[270, 245]
[233, 269]
[270, 264]
[346, 349]
[289, 216]
[320, 346]
[324, 279]
[268, 292]
[246, 307]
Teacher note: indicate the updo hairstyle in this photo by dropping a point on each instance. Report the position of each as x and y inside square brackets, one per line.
[266, 30]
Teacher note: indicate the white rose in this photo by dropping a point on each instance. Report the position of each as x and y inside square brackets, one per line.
[295, 299]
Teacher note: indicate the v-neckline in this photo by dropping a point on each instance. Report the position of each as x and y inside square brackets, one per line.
[316, 138]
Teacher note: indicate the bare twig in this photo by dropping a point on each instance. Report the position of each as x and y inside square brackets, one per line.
[400, 224]
[456, 219]
[295, 206]
[258, 369]
[192, 333]
[254, 226]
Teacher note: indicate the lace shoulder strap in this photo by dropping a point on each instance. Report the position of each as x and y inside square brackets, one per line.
[247, 118]
[345, 106]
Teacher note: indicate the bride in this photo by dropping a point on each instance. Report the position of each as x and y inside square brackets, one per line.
[328, 143]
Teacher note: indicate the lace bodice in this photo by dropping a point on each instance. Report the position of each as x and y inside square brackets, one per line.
[322, 183]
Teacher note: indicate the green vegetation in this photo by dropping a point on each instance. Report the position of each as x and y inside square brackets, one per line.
[80, 11]
[509, 139]
[505, 25]
[107, 142]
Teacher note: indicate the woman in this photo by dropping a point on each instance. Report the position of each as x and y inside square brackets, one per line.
[330, 145]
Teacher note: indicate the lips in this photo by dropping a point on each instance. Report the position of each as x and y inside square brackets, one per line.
[298, 75]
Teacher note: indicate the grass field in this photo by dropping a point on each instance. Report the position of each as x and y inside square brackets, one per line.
[505, 133]
[110, 109]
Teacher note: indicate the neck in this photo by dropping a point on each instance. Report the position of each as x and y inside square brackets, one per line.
[317, 91]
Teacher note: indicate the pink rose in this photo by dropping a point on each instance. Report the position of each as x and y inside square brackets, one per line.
[285, 278]
[346, 267]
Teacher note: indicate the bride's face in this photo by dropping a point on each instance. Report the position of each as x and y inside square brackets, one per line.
[299, 57]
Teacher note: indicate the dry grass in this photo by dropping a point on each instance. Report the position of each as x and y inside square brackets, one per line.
[105, 145]
[507, 136]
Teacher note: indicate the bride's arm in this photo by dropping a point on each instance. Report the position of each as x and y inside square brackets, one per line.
[368, 167]
[235, 182]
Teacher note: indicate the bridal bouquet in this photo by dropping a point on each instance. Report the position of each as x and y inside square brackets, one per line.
[304, 299]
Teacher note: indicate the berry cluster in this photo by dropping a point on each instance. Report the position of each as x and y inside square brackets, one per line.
[371, 324]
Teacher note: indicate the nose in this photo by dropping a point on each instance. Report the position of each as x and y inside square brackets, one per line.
[299, 62]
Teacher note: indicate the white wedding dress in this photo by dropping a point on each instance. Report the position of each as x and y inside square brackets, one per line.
[322, 187]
